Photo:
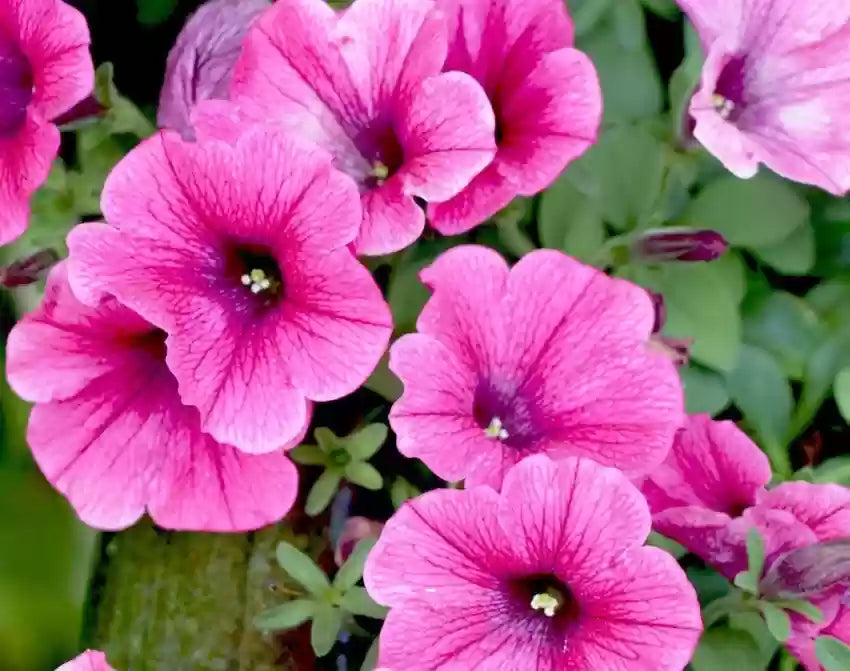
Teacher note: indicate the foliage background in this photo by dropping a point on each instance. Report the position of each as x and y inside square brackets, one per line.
[770, 319]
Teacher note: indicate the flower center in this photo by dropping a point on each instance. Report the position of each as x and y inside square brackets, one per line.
[256, 271]
[546, 596]
[549, 602]
[505, 414]
[16, 87]
[729, 97]
[495, 430]
[379, 145]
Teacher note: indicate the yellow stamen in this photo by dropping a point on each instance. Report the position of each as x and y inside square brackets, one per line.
[549, 602]
[496, 430]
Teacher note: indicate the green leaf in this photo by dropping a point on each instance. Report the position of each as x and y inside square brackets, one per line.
[803, 607]
[570, 221]
[705, 390]
[587, 13]
[322, 492]
[352, 570]
[121, 115]
[363, 474]
[628, 20]
[666, 9]
[755, 553]
[624, 176]
[762, 393]
[302, 569]
[757, 212]
[795, 255]
[821, 369]
[384, 382]
[700, 303]
[366, 441]
[327, 623]
[785, 326]
[777, 620]
[326, 439]
[753, 624]
[666, 544]
[401, 491]
[308, 455]
[832, 240]
[831, 300]
[370, 662]
[833, 654]
[358, 602]
[841, 391]
[683, 84]
[286, 616]
[631, 86]
[747, 582]
[835, 470]
[724, 648]
[152, 12]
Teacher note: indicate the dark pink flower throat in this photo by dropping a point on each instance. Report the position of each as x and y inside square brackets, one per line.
[256, 271]
[730, 94]
[16, 86]
[380, 146]
[547, 597]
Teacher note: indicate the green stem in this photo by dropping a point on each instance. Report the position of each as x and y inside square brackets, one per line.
[165, 601]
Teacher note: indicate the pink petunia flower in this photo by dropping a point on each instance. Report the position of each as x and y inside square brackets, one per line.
[90, 660]
[237, 247]
[712, 474]
[550, 574]
[45, 68]
[545, 94]
[774, 87]
[365, 84]
[200, 64]
[551, 356]
[802, 644]
[110, 433]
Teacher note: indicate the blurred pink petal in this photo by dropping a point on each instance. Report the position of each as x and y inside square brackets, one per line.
[110, 433]
[550, 574]
[45, 69]
[545, 95]
[550, 356]
[365, 85]
[775, 88]
[239, 251]
[355, 530]
[90, 660]
[200, 64]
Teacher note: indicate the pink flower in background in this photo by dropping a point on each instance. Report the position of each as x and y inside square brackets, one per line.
[45, 68]
[712, 474]
[545, 94]
[110, 433]
[200, 64]
[365, 84]
[354, 530]
[802, 646]
[550, 357]
[550, 574]
[238, 250]
[775, 88]
[90, 660]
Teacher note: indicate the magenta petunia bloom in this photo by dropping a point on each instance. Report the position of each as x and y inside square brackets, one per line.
[238, 250]
[802, 643]
[365, 84]
[774, 87]
[45, 69]
[551, 356]
[545, 94]
[550, 574]
[110, 433]
[200, 64]
[713, 473]
[90, 660]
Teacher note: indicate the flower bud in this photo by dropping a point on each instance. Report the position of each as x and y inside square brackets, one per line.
[808, 571]
[678, 244]
[200, 64]
[28, 270]
[355, 530]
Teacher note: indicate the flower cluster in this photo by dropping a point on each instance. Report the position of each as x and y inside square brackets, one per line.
[179, 350]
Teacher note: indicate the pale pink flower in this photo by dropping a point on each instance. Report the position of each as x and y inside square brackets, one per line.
[365, 84]
[550, 574]
[551, 356]
[238, 250]
[45, 69]
[90, 660]
[545, 94]
[200, 64]
[774, 87]
[109, 431]
[354, 530]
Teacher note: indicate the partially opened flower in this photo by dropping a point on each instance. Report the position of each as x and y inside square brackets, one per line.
[550, 574]
[90, 660]
[45, 68]
[238, 250]
[200, 64]
[109, 430]
[551, 356]
[545, 94]
[365, 84]
[774, 87]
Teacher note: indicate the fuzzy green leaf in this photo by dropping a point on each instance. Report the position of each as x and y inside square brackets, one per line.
[352, 570]
[308, 455]
[322, 492]
[327, 623]
[370, 662]
[358, 602]
[401, 491]
[286, 616]
[366, 441]
[833, 654]
[755, 553]
[302, 569]
[777, 620]
[365, 475]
